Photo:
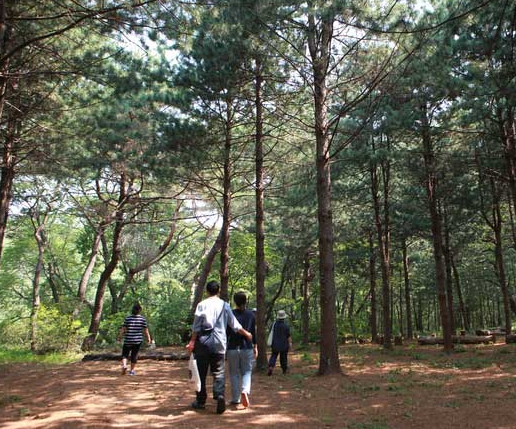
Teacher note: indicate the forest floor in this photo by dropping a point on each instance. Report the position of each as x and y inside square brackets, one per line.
[411, 387]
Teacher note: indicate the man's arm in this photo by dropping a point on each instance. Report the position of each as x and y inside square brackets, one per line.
[253, 332]
[246, 334]
[191, 344]
[235, 324]
[196, 327]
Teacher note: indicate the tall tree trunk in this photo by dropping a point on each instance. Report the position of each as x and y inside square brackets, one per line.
[482, 311]
[507, 129]
[110, 285]
[498, 222]
[305, 308]
[462, 306]
[495, 222]
[372, 280]
[400, 307]
[511, 218]
[419, 319]
[39, 235]
[351, 319]
[203, 277]
[285, 278]
[5, 36]
[383, 236]
[319, 44]
[86, 275]
[261, 331]
[226, 213]
[437, 236]
[447, 262]
[119, 298]
[89, 341]
[7, 177]
[52, 283]
[406, 277]
[13, 123]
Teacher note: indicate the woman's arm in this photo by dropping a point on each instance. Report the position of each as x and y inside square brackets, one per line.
[146, 331]
[121, 333]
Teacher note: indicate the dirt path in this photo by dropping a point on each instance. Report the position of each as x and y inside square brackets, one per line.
[413, 388]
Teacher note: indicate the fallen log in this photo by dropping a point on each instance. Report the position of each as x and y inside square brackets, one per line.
[461, 339]
[510, 339]
[143, 356]
[497, 332]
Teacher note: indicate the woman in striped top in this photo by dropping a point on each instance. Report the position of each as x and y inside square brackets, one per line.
[133, 329]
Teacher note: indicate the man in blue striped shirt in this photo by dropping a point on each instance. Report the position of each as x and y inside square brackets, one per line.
[133, 329]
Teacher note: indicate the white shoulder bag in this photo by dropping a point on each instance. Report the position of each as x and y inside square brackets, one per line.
[271, 334]
[193, 373]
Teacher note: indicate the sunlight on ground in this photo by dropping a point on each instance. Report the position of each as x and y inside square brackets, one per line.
[392, 390]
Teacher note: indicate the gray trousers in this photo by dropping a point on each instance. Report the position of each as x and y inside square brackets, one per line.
[214, 362]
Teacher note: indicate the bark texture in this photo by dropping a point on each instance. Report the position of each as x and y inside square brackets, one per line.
[435, 219]
[319, 44]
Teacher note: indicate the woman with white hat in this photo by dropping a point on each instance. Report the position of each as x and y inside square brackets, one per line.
[280, 343]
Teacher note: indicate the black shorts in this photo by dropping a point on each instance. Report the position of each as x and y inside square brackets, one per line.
[131, 348]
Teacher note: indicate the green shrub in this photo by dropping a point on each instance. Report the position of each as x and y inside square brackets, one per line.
[109, 328]
[57, 331]
[19, 355]
[15, 333]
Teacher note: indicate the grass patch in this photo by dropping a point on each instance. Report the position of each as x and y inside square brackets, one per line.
[369, 425]
[452, 404]
[307, 358]
[506, 350]
[8, 400]
[432, 384]
[327, 420]
[470, 362]
[298, 378]
[24, 412]
[418, 356]
[26, 356]
[359, 389]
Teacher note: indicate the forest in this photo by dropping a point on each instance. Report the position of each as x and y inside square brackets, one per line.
[351, 162]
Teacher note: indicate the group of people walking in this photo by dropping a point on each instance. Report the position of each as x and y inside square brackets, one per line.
[218, 333]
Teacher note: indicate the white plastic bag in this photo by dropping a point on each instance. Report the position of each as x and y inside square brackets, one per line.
[193, 373]
[271, 334]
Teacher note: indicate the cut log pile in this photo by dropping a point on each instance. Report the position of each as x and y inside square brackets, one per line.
[150, 355]
[458, 339]
[497, 332]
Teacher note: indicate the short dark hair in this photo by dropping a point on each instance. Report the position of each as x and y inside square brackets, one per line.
[240, 299]
[212, 287]
[136, 308]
